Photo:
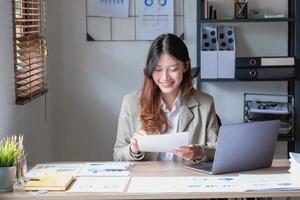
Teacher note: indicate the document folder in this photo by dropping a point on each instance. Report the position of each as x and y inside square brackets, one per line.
[59, 183]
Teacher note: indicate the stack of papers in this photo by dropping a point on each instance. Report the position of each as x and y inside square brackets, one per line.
[295, 164]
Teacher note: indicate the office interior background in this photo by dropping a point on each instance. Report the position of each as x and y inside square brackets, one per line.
[77, 119]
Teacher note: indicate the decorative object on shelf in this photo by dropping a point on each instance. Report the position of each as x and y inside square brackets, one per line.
[218, 52]
[241, 9]
[256, 14]
[9, 156]
[212, 12]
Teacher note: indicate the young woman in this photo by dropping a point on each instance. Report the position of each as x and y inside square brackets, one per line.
[167, 103]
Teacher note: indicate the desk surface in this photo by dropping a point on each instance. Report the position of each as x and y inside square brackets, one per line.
[164, 169]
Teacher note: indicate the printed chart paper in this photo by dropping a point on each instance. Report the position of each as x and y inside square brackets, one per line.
[184, 184]
[49, 169]
[108, 8]
[272, 182]
[106, 169]
[154, 18]
[99, 184]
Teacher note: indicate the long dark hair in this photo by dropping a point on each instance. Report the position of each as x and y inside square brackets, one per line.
[151, 115]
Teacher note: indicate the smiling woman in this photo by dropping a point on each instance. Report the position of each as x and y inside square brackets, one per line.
[167, 103]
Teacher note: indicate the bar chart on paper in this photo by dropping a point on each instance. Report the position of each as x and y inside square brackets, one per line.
[108, 8]
[154, 18]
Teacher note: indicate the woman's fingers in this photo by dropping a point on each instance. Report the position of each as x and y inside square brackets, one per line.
[134, 146]
[134, 142]
[185, 152]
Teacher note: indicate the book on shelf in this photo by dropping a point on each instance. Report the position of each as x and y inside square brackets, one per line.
[205, 9]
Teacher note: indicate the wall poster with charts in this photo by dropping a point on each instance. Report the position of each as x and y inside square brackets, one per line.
[144, 21]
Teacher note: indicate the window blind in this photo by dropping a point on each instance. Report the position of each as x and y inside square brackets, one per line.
[30, 49]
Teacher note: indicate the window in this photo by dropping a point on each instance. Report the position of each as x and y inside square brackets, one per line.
[30, 49]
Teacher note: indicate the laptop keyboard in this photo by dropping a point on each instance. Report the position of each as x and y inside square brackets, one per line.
[202, 166]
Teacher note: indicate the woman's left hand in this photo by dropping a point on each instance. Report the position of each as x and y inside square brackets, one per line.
[189, 152]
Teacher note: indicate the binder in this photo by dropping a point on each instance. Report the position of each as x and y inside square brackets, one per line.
[264, 61]
[265, 73]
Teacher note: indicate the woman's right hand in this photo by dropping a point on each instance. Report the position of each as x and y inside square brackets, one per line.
[134, 147]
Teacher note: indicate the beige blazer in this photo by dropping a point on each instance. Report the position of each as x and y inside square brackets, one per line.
[197, 116]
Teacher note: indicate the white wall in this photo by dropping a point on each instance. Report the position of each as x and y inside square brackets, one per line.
[87, 83]
[30, 118]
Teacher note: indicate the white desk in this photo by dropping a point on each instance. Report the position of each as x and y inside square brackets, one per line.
[164, 169]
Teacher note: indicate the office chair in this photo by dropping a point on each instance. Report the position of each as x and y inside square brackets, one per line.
[195, 71]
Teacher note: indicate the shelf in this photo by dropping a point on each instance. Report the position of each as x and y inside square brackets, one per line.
[287, 137]
[292, 20]
[247, 20]
[219, 80]
[242, 80]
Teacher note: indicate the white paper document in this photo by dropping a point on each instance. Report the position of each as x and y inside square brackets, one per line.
[272, 182]
[154, 18]
[163, 143]
[295, 164]
[49, 169]
[184, 184]
[106, 169]
[99, 184]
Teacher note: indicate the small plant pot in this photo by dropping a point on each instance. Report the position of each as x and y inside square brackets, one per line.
[7, 178]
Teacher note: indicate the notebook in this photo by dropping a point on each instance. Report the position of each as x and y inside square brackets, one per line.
[242, 147]
[60, 183]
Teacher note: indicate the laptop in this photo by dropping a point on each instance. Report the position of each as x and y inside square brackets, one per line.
[242, 147]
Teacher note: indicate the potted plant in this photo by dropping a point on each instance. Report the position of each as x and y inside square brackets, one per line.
[9, 154]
